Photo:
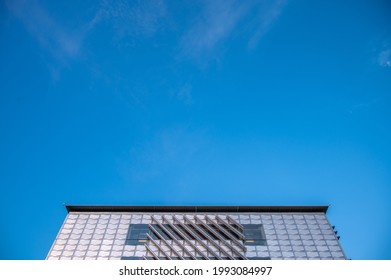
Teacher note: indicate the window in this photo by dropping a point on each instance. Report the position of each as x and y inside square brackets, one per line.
[137, 234]
[255, 235]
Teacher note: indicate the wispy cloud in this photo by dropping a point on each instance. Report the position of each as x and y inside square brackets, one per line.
[384, 58]
[220, 19]
[53, 37]
[128, 19]
[217, 21]
[267, 12]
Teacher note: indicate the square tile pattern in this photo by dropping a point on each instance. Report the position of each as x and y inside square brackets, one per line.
[92, 236]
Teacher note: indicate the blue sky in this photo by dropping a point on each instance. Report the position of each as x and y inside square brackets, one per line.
[195, 103]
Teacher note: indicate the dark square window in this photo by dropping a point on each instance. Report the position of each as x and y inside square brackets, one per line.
[254, 234]
[137, 234]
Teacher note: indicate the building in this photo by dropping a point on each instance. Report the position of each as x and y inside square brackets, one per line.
[196, 232]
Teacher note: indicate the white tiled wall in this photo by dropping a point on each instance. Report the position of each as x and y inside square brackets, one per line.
[93, 236]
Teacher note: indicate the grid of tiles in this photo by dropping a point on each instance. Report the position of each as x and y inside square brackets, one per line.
[295, 236]
[93, 236]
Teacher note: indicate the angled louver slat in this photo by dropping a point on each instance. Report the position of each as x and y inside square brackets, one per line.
[151, 252]
[239, 234]
[168, 233]
[233, 221]
[165, 242]
[192, 233]
[233, 249]
[223, 230]
[179, 232]
[203, 232]
[159, 247]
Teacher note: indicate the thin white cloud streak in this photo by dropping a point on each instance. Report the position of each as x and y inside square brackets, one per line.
[267, 13]
[220, 19]
[53, 37]
[128, 19]
[216, 22]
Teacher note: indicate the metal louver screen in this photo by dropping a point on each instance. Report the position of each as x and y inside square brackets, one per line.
[195, 237]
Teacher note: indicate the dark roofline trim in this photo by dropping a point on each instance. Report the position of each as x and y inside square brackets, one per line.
[194, 209]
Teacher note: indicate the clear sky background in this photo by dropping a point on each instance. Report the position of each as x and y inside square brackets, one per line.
[195, 103]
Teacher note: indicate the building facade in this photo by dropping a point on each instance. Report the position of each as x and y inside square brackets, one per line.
[196, 232]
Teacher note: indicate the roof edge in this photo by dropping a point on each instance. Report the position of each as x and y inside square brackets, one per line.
[193, 209]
